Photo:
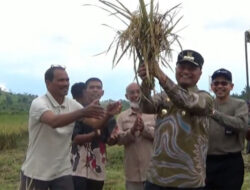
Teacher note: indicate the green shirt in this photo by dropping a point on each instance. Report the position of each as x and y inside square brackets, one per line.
[181, 137]
[231, 115]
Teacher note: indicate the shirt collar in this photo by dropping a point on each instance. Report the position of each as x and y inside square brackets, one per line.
[54, 102]
[193, 89]
[131, 112]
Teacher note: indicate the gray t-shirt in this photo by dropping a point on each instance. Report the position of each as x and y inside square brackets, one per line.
[48, 154]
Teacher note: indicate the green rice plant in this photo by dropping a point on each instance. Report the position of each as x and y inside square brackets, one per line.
[10, 164]
[11, 160]
[149, 35]
[12, 127]
[115, 171]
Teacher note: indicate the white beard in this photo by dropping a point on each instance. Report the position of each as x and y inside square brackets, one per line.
[134, 105]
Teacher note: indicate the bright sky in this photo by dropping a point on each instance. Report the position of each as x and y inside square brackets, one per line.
[37, 34]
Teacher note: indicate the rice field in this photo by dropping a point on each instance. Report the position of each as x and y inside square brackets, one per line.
[13, 143]
[12, 126]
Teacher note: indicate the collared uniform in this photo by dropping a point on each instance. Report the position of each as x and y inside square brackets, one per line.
[48, 154]
[233, 114]
[227, 127]
[181, 137]
[138, 147]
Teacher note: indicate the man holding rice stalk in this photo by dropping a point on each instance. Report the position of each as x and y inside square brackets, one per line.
[51, 120]
[181, 132]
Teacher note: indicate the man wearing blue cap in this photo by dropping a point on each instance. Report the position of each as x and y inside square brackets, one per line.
[227, 129]
[181, 131]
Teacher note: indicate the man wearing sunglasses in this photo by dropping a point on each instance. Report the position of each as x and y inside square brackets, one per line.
[227, 127]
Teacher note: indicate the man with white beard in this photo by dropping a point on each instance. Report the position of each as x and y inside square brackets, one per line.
[136, 133]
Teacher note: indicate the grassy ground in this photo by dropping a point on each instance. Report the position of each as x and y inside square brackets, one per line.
[12, 126]
[13, 144]
[246, 185]
[10, 163]
[11, 160]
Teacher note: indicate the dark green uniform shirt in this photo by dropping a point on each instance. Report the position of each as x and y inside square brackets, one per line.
[227, 127]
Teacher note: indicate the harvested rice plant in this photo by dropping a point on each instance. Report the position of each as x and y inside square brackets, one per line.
[149, 36]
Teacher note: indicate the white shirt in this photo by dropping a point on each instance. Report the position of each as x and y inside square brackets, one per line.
[48, 154]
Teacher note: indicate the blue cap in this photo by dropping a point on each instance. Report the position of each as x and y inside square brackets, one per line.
[222, 72]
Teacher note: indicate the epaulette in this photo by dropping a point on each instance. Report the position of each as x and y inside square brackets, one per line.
[204, 91]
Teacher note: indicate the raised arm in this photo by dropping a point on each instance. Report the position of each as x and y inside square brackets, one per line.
[60, 120]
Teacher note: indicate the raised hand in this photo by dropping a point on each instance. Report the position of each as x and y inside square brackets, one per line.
[114, 108]
[142, 71]
[138, 125]
[94, 110]
[113, 136]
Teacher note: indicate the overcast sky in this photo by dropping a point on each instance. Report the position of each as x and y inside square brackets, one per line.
[38, 33]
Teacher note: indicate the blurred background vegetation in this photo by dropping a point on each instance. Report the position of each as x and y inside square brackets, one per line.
[14, 140]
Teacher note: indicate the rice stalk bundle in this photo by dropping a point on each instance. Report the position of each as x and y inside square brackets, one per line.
[148, 37]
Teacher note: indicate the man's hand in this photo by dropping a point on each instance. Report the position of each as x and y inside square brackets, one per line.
[94, 115]
[94, 110]
[114, 136]
[98, 118]
[158, 73]
[142, 72]
[138, 125]
[114, 108]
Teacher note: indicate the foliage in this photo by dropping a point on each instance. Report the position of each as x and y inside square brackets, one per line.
[115, 171]
[11, 160]
[15, 103]
[10, 165]
[245, 94]
[125, 104]
[12, 126]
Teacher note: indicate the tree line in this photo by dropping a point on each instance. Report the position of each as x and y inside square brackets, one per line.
[20, 103]
[17, 103]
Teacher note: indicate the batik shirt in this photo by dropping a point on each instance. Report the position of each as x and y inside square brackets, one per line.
[89, 160]
[181, 137]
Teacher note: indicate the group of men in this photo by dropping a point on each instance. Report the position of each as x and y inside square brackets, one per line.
[181, 138]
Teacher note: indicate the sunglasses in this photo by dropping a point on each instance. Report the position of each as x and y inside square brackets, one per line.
[222, 83]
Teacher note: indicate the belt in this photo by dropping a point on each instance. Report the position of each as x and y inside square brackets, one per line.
[228, 155]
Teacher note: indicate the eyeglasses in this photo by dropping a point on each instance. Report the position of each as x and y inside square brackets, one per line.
[222, 83]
